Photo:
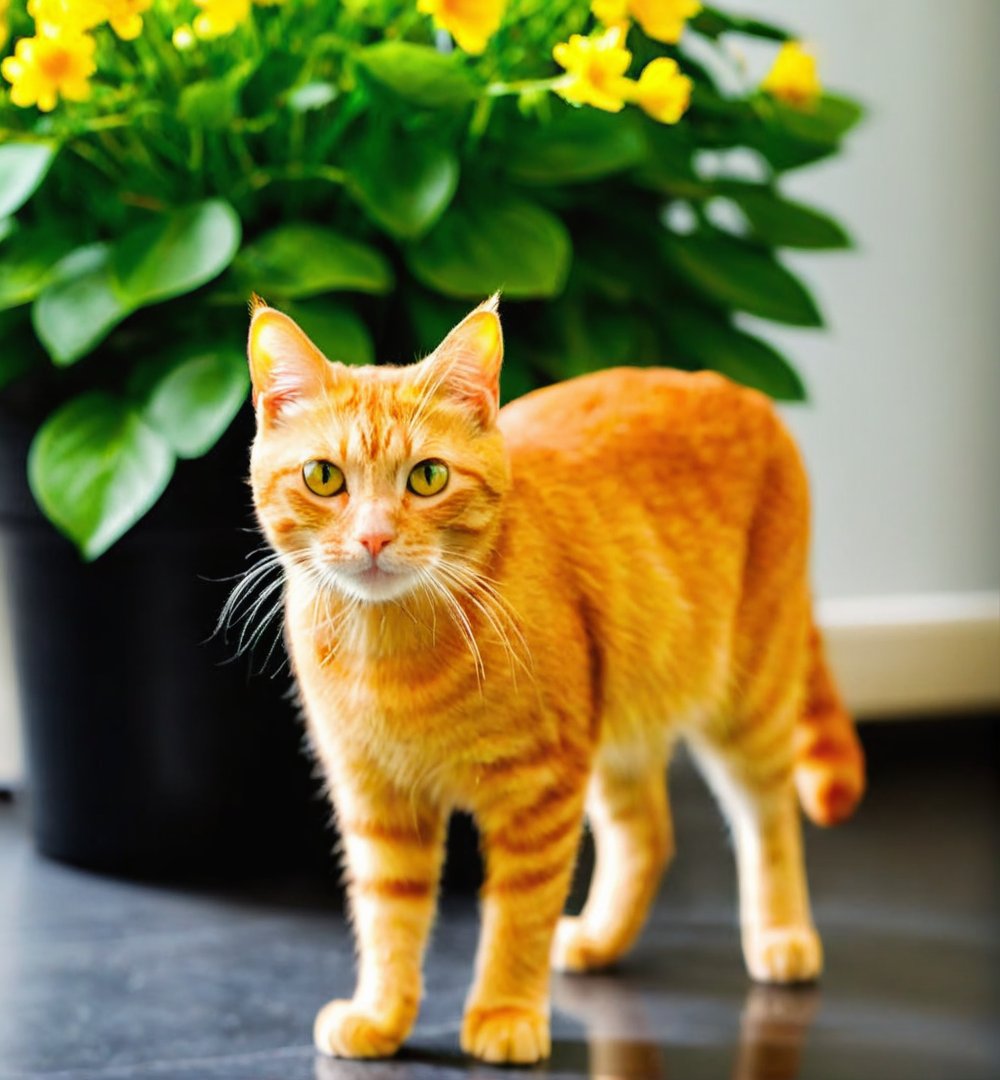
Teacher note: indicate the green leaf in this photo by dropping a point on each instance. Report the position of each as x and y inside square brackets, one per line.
[79, 306]
[23, 166]
[710, 343]
[497, 241]
[669, 166]
[790, 138]
[6, 228]
[404, 181]
[828, 121]
[712, 22]
[782, 223]
[95, 468]
[300, 259]
[335, 330]
[575, 145]
[28, 263]
[192, 399]
[595, 335]
[211, 104]
[419, 73]
[736, 274]
[176, 253]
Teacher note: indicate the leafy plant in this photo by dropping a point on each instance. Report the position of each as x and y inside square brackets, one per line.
[374, 168]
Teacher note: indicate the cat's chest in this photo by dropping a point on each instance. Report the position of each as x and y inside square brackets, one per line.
[409, 701]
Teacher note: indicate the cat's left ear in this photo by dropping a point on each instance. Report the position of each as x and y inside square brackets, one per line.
[466, 365]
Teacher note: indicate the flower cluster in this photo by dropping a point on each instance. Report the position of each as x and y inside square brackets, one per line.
[57, 61]
[662, 20]
[596, 65]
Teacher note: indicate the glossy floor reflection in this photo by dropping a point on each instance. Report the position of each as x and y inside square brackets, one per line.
[106, 980]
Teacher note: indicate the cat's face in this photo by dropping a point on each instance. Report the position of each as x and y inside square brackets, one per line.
[378, 482]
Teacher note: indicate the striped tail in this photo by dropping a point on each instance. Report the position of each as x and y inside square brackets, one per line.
[829, 761]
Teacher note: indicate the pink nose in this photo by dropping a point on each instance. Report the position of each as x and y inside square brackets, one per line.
[375, 542]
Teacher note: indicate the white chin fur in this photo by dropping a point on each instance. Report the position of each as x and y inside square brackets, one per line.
[377, 590]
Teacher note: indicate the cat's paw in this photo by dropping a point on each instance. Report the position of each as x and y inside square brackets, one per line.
[349, 1031]
[508, 1033]
[783, 954]
[576, 949]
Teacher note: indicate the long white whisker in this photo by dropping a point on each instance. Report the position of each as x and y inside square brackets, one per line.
[461, 620]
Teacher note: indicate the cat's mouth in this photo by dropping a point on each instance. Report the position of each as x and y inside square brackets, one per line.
[376, 583]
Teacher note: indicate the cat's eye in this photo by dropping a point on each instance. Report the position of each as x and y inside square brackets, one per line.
[323, 478]
[428, 478]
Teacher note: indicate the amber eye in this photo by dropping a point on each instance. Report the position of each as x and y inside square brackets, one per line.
[428, 478]
[323, 478]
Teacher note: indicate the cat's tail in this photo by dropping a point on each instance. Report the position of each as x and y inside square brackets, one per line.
[829, 761]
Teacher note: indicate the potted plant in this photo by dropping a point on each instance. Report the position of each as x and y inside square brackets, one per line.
[373, 168]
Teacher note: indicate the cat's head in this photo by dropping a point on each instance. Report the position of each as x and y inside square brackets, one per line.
[378, 481]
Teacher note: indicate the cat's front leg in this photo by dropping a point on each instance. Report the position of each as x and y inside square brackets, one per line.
[393, 847]
[529, 839]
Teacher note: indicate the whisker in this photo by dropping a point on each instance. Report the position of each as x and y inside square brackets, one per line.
[461, 620]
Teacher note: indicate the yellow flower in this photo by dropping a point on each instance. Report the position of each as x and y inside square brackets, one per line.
[66, 16]
[77, 16]
[4, 24]
[470, 22]
[47, 67]
[663, 20]
[610, 12]
[220, 17]
[125, 16]
[595, 70]
[663, 91]
[794, 78]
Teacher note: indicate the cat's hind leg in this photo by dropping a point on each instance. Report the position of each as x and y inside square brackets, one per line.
[629, 816]
[750, 772]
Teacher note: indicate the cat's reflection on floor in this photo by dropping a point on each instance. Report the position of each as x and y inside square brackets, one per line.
[623, 1045]
[621, 1040]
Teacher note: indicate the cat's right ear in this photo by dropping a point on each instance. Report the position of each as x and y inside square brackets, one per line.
[286, 368]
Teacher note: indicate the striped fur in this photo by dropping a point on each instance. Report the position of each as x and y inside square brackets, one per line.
[615, 563]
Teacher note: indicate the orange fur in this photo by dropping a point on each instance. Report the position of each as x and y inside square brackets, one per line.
[615, 562]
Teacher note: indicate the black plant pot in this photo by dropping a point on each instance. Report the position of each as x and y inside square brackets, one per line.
[150, 751]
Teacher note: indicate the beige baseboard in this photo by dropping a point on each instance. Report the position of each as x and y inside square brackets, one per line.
[915, 655]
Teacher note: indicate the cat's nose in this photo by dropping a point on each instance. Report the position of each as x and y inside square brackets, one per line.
[374, 542]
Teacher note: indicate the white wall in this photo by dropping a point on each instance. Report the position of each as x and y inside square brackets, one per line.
[902, 437]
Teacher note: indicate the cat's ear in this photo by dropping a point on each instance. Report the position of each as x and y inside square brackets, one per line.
[466, 365]
[285, 366]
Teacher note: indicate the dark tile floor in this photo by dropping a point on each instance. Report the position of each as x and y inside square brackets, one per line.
[103, 979]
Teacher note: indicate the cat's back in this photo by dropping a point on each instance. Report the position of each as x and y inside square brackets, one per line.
[623, 417]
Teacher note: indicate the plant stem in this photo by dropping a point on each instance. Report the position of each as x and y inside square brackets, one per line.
[502, 89]
[263, 177]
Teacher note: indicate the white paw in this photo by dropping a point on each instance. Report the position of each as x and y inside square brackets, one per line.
[576, 949]
[507, 1033]
[350, 1031]
[783, 954]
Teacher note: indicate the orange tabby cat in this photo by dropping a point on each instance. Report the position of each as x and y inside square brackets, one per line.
[517, 613]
